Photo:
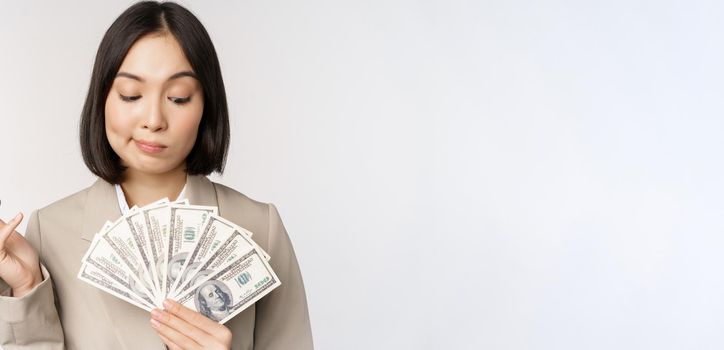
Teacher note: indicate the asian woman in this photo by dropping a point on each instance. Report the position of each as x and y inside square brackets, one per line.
[154, 125]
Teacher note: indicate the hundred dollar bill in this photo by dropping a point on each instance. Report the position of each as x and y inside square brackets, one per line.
[102, 256]
[142, 243]
[223, 294]
[98, 278]
[124, 240]
[184, 229]
[221, 242]
[149, 246]
[157, 219]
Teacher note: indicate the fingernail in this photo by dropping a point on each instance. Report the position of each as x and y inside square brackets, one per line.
[154, 323]
[16, 218]
[156, 313]
[167, 303]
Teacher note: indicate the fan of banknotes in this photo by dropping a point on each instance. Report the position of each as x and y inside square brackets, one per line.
[184, 252]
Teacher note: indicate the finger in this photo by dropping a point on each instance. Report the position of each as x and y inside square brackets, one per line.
[174, 336]
[194, 318]
[9, 228]
[169, 344]
[185, 328]
[13, 240]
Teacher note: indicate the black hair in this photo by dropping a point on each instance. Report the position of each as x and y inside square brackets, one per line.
[150, 17]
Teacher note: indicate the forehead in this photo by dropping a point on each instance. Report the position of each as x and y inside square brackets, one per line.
[208, 288]
[154, 57]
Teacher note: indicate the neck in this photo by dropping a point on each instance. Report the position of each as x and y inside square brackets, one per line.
[142, 188]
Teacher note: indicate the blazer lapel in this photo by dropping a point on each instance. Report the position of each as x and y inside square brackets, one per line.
[200, 191]
[101, 206]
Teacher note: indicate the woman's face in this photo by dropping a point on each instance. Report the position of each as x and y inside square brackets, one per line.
[154, 107]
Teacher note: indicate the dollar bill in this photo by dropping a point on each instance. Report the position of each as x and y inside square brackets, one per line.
[122, 238]
[216, 231]
[227, 292]
[226, 241]
[157, 218]
[180, 251]
[99, 279]
[136, 222]
[103, 256]
[185, 226]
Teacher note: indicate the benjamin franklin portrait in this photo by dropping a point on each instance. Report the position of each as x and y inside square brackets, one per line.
[213, 300]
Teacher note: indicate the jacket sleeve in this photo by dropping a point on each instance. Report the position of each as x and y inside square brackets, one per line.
[282, 317]
[31, 321]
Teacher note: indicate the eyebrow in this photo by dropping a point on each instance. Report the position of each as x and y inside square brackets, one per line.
[175, 76]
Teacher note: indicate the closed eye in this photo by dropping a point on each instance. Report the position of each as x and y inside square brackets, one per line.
[129, 98]
[176, 100]
[180, 100]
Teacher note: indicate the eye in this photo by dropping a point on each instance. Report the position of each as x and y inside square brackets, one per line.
[129, 98]
[180, 100]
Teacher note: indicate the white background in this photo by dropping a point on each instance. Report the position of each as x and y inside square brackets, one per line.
[454, 175]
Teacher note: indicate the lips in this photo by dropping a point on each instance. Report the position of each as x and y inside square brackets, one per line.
[149, 146]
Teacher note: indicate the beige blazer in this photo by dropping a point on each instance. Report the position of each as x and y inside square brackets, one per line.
[64, 312]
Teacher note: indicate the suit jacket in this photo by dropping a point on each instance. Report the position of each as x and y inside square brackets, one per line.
[64, 312]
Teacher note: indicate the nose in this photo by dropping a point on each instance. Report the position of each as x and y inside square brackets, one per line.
[155, 119]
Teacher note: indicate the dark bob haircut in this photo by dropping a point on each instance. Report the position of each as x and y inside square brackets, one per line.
[150, 17]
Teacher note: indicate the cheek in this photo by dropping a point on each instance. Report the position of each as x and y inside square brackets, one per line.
[188, 126]
[116, 126]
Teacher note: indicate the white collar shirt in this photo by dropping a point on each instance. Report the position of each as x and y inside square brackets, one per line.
[123, 204]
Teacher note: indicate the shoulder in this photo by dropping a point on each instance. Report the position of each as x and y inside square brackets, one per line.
[70, 202]
[229, 194]
[61, 209]
[57, 220]
[246, 212]
[233, 199]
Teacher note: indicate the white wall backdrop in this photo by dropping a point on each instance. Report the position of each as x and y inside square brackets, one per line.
[453, 174]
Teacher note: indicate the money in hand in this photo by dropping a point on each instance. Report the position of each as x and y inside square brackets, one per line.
[180, 251]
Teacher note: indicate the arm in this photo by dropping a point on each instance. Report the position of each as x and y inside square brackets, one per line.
[282, 317]
[30, 321]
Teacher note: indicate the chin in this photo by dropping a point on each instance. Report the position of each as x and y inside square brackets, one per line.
[154, 168]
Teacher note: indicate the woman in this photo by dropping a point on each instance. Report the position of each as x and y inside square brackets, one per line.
[154, 124]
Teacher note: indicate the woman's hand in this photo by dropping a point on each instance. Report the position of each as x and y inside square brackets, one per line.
[19, 263]
[182, 328]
